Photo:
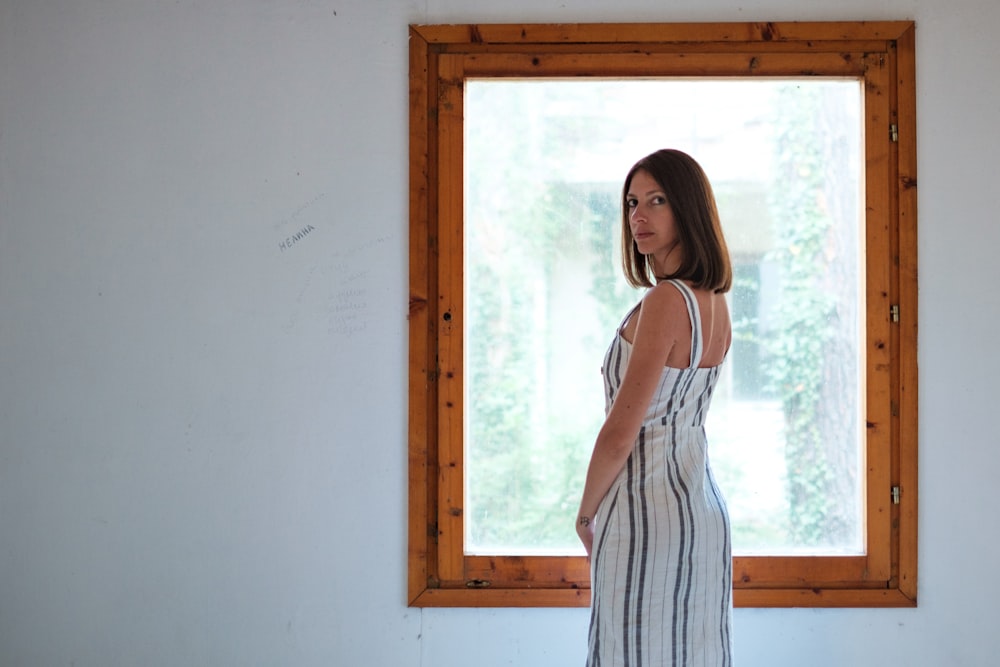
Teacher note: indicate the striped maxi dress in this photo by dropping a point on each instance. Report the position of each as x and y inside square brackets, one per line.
[661, 568]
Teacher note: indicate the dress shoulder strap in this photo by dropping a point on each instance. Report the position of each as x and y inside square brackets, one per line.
[629, 314]
[695, 314]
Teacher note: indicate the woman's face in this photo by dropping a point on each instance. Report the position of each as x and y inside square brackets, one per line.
[652, 222]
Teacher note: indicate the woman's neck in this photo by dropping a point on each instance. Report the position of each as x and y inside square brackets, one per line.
[669, 263]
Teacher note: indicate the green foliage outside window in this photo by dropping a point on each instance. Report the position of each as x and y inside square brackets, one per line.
[812, 360]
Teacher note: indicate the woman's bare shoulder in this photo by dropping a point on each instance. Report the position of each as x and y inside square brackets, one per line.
[661, 305]
[665, 293]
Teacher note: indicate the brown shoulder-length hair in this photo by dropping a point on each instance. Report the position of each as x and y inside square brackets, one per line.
[706, 262]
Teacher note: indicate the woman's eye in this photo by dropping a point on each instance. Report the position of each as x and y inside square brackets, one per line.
[631, 203]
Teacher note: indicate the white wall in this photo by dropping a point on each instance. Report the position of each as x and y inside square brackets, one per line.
[202, 434]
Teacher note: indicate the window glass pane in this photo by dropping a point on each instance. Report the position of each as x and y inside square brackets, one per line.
[544, 161]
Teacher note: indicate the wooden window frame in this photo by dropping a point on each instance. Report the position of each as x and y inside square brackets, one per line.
[441, 58]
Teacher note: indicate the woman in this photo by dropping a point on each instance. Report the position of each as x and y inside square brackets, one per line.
[652, 519]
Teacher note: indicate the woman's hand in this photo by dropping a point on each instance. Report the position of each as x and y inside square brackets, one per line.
[585, 530]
